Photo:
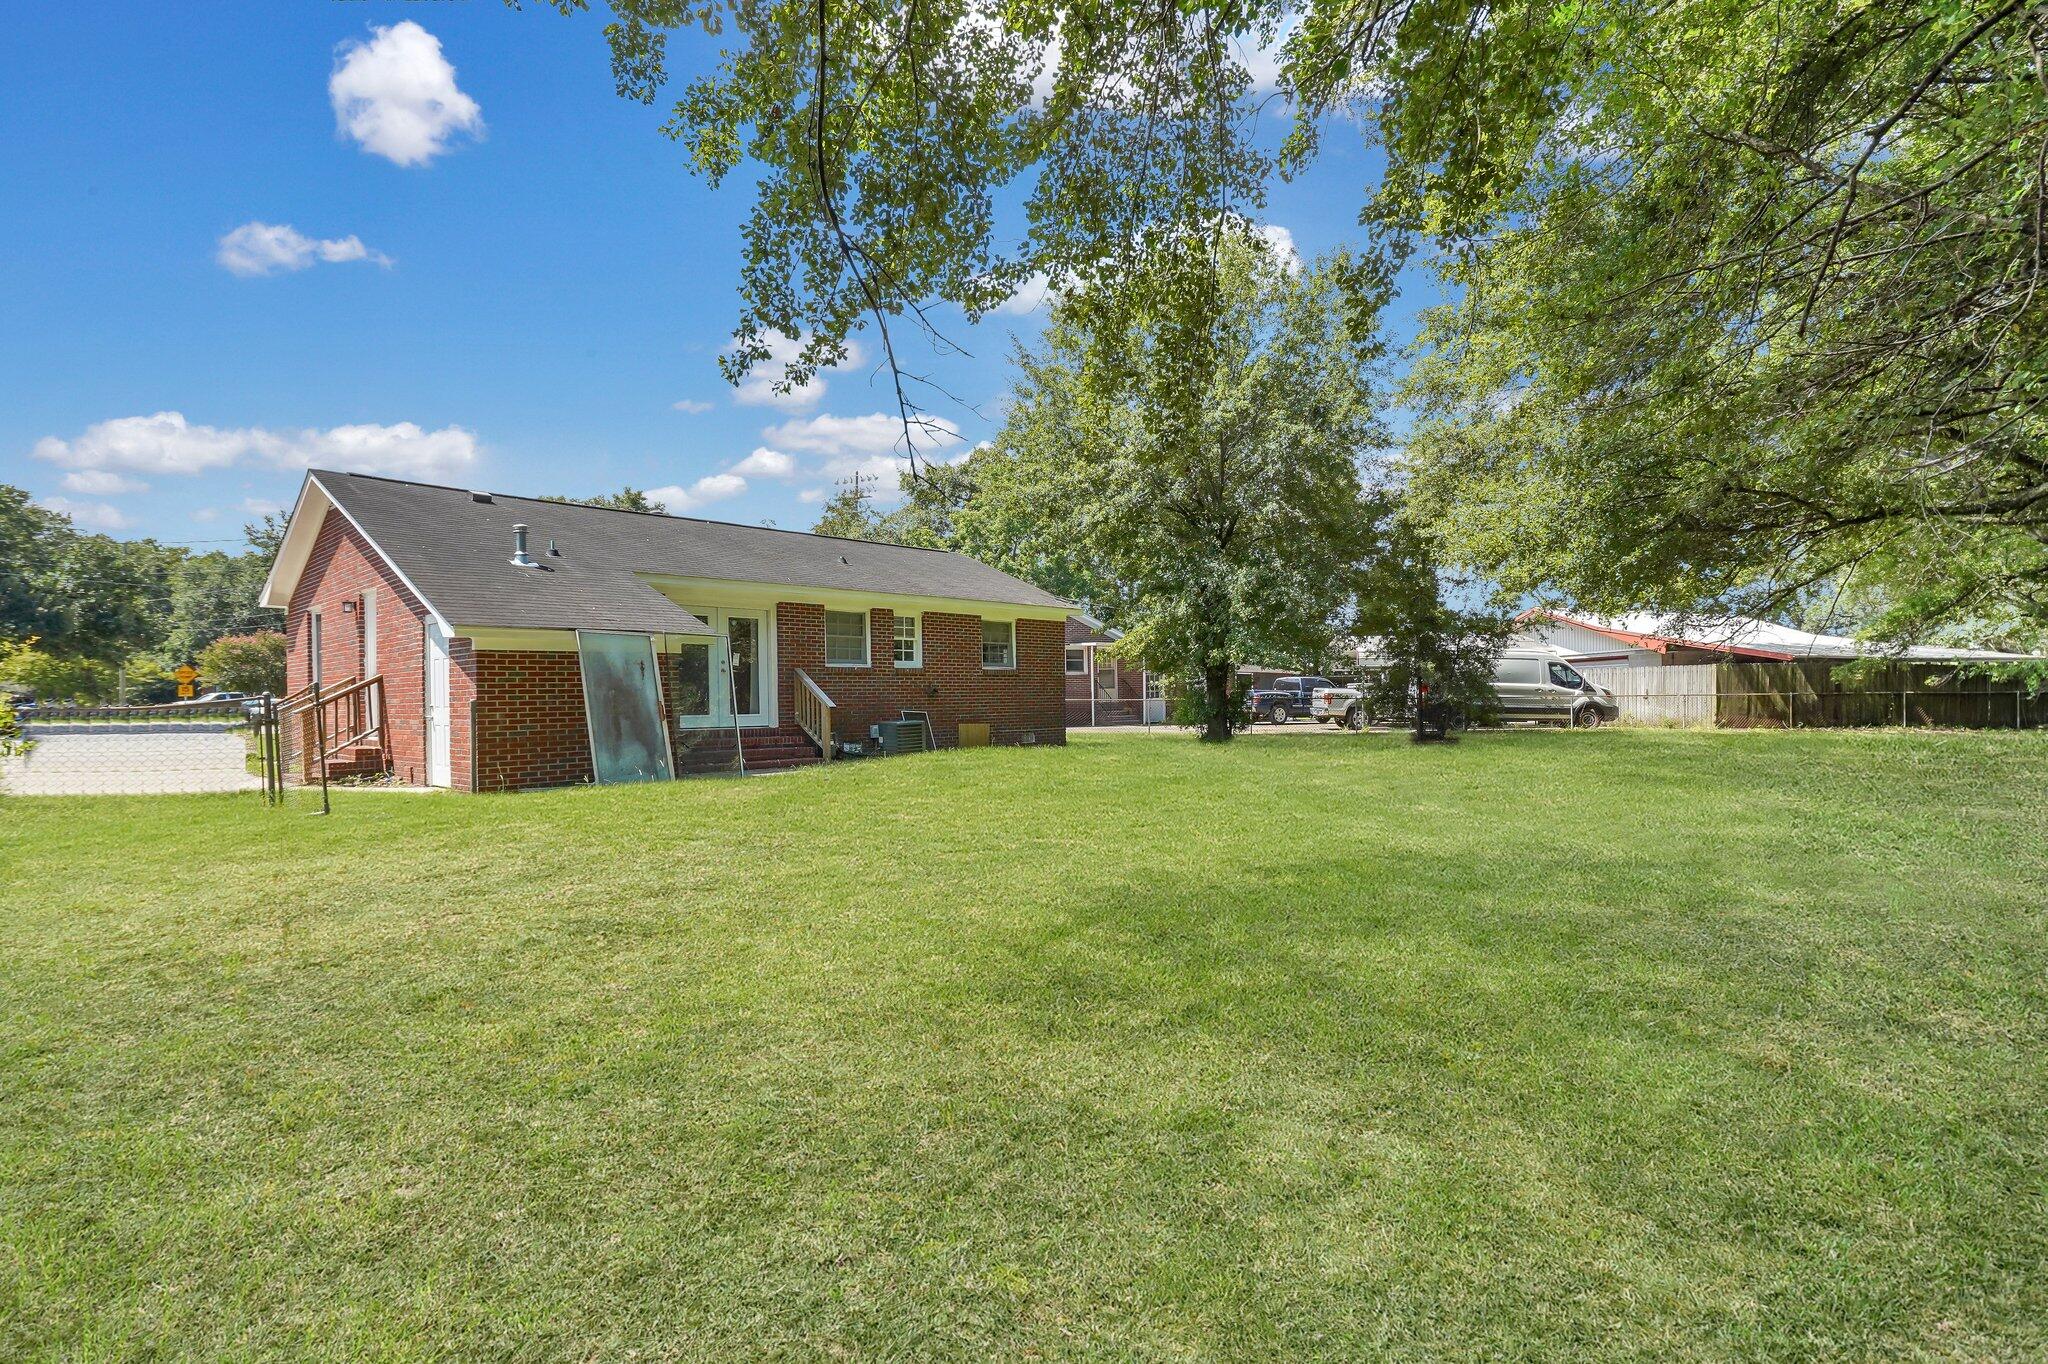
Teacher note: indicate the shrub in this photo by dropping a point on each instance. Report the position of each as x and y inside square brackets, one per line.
[50, 678]
[11, 742]
[250, 663]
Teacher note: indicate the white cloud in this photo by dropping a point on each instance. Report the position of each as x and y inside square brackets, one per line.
[758, 388]
[1262, 60]
[206, 514]
[766, 463]
[693, 406]
[878, 433]
[260, 506]
[90, 515]
[396, 95]
[162, 444]
[101, 483]
[706, 490]
[270, 248]
[1047, 75]
[1029, 296]
[811, 495]
[1281, 241]
[168, 444]
[402, 449]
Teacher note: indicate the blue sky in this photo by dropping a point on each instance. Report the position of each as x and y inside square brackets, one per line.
[497, 274]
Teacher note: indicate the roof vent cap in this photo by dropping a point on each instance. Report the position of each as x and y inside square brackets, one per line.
[479, 495]
[520, 557]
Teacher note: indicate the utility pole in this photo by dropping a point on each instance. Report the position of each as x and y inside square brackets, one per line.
[854, 487]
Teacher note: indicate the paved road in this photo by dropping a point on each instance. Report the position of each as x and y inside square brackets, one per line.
[146, 763]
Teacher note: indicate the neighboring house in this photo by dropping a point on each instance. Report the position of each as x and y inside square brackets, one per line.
[1647, 640]
[485, 651]
[1102, 689]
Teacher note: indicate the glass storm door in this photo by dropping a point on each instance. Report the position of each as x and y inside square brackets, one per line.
[622, 700]
[743, 635]
[702, 701]
[708, 697]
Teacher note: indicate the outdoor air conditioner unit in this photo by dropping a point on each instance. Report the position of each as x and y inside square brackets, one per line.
[901, 736]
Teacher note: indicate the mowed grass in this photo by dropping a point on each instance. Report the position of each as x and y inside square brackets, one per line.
[1537, 1046]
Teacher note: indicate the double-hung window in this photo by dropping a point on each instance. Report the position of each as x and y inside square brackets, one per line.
[909, 641]
[1077, 662]
[846, 639]
[999, 644]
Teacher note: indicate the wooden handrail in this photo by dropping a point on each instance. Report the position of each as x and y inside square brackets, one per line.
[303, 697]
[814, 712]
[335, 720]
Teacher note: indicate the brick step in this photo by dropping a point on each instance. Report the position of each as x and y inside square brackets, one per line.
[765, 744]
[781, 764]
[755, 763]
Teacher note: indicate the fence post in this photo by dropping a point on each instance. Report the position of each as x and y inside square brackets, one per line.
[320, 733]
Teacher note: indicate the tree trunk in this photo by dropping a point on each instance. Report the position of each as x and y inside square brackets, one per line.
[1218, 681]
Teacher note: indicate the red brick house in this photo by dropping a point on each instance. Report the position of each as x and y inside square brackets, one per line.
[525, 643]
[1101, 688]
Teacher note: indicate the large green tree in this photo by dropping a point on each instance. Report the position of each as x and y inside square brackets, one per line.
[82, 596]
[211, 595]
[1749, 304]
[1750, 292]
[1199, 433]
[881, 138]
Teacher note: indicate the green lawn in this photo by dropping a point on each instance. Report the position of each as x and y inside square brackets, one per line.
[1538, 1046]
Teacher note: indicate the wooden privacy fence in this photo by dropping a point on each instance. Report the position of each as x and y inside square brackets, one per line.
[1660, 696]
[1822, 694]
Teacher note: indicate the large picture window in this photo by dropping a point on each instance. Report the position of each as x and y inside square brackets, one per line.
[999, 644]
[846, 639]
[909, 644]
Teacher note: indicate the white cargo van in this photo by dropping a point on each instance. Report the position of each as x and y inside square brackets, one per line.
[1534, 682]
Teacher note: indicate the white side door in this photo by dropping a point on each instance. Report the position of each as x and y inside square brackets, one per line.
[370, 647]
[437, 706]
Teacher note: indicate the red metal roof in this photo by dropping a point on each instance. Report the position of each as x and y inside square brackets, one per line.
[1659, 643]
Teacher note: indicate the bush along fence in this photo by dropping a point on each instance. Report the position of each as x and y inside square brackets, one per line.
[1823, 694]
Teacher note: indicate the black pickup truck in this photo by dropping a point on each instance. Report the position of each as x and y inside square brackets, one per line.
[1316, 697]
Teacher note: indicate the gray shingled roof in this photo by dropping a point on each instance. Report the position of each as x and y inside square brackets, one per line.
[456, 551]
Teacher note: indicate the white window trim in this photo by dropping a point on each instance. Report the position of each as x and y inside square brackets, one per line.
[916, 659]
[989, 667]
[867, 640]
[1073, 671]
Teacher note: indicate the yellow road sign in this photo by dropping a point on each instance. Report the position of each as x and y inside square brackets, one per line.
[184, 691]
[186, 674]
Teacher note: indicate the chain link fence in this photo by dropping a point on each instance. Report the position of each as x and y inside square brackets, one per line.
[207, 747]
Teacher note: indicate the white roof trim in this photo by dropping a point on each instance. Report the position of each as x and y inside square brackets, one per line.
[300, 534]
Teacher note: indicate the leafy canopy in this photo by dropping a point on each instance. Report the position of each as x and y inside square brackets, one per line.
[1749, 309]
[1749, 292]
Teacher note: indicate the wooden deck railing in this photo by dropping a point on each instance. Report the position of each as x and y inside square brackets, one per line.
[333, 719]
[814, 712]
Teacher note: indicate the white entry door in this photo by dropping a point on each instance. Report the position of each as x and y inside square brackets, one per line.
[437, 706]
